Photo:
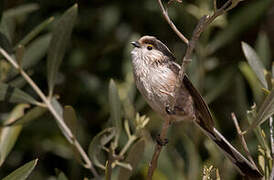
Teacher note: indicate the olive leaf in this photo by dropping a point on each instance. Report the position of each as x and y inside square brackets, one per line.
[14, 95]
[115, 109]
[8, 135]
[31, 35]
[60, 39]
[22, 172]
[97, 143]
[134, 157]
[266, 110]
[255, 63]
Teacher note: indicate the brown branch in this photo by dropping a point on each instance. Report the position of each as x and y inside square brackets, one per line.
[158, 149]
[171, 24]
[200, 27]
[242, 139]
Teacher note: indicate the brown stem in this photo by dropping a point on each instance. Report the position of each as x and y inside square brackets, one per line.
[158, 149]
[171, 24]
[242, 139]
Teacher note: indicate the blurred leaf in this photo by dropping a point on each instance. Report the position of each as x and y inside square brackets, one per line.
[22, 172]
[62, 176]
[60, 39]
[21, 10]
[255, 63]
[251, 117]
[252, 80]
[8, 135]
[70, 118]
[239, 23]
[115, 109]
[59, 109]
[31, 115]
[5, 43]
[263, 48]
[30, 36]
[35, 51]
[133, 158]
[266, 110]
[223, 84]
[98, 142]
[14, 95]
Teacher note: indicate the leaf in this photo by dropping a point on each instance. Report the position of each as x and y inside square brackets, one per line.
[59, 109]
[266, 110]
[60, 38]
[36, 51]
[252, 80]
[21, 10]
[255, 63]
[98, 142]
[31, 115]
[115, 108]
[14, 95]
[8, 135]
[263, 48]
[70, 118]
[22, 172]
[62, 176]
[134, 157]
[35, 31]
[240, 21]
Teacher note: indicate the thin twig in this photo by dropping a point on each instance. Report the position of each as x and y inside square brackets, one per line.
[171, 24]
[158, 149]
[271, 136]
[59, 119]
[242, 139]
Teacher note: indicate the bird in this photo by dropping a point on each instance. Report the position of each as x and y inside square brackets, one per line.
[155, 74]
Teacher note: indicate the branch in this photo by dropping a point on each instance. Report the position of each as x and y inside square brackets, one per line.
[171, 24]
[242, 139]
[158, 149]
[200, 27]
[59, 119]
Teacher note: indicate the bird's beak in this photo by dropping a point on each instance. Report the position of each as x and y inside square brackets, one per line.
[136, 44]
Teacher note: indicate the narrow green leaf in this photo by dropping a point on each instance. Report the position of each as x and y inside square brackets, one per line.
[35, 31]
[8, 135]
[134, 157]
[255, 63]
[70, 118]
[14, 95]
[21, 10]
[95, 146]
[115, 108]
[22, 172]
[31, 115]
[263, 48]
[36, 51]
[240, 21]
[253, 81]
[60, 39]
[266, 110]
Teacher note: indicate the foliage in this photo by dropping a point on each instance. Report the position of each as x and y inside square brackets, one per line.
[79, 55]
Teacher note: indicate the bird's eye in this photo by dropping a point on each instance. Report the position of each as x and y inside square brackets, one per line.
[149, 47]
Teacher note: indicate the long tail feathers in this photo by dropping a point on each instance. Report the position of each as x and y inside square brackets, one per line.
[240, 162]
